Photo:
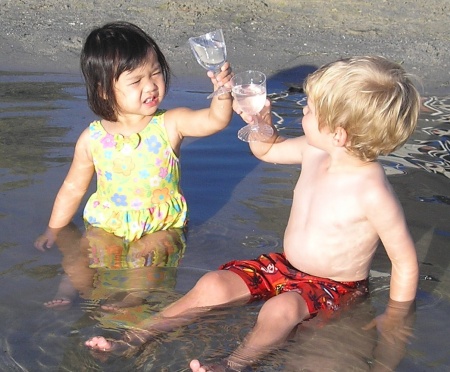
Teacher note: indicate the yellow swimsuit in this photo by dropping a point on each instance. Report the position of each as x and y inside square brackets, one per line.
[138, 182]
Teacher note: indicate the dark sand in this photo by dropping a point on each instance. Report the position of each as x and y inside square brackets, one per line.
[269, 35]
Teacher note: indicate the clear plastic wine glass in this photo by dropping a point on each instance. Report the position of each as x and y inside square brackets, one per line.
[211, 53]
[249, 90]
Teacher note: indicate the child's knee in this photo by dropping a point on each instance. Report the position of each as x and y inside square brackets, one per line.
[210, 282]
[289, 308]
[216, 287]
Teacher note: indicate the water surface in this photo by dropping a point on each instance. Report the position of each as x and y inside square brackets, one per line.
[239, 208]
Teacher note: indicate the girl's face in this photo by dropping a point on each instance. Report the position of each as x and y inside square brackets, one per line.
[140, 91]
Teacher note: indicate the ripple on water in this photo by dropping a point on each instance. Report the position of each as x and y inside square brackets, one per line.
[427, 149]
[36, 338]
[268, 243]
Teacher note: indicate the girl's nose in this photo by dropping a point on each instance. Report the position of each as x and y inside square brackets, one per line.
[150, 86]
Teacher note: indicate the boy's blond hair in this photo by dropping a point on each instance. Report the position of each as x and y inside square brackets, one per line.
[372, 98]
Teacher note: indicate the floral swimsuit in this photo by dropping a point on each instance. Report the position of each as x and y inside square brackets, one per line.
[138, 182]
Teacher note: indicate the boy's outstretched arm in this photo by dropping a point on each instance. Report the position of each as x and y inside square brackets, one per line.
[276, 149]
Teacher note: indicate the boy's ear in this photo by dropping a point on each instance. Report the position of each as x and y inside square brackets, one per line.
[340, 137]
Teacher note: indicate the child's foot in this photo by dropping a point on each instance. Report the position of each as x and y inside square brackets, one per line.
[131, 341]
[64, 297]
[99, 343]
[102, 348]
[224, 366]
[197, 367]
[59, 304]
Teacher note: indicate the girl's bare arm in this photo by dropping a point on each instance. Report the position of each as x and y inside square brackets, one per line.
[186, 122]
[71, 192]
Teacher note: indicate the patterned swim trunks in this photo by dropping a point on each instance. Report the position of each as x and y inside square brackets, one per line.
[271, 274]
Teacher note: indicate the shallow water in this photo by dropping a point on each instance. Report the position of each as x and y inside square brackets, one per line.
[239, 208]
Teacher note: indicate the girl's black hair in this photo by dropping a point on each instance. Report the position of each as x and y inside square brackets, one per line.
[109, 51]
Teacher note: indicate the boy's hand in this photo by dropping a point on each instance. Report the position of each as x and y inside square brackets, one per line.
[395, 328]
[395, 325]
[264, 116]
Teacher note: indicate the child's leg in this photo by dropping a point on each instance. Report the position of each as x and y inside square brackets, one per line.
[276, 320]
[76, 266]
[64, 296]
[69, 243]
[150, 260]
[217, 288]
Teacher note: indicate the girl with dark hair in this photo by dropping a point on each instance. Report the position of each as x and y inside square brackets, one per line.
[134, 147]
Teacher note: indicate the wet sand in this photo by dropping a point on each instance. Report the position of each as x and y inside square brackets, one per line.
[269, 35]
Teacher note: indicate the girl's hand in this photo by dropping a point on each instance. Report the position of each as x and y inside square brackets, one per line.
[223, 77]
[47, 239]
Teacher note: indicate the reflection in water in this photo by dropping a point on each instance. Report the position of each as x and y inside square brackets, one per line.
[41, 118]
[24, 140]
[102, 268]
[113, 284]
[428, 149]
[29, 140]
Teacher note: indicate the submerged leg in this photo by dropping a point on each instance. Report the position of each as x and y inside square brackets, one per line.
[68, 241]
[222, 367]
[163, 248]
[276, 320]
[121, 301]
[216, 288]
[64, 296]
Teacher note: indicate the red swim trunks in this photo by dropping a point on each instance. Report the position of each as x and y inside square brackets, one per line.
[271, 274]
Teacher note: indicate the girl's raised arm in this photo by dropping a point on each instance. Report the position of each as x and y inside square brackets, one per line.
[204, 122]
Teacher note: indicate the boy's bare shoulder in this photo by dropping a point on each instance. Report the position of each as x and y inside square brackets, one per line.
[375, 186]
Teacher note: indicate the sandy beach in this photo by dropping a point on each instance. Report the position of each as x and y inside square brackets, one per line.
[238, 205]
[269, 35]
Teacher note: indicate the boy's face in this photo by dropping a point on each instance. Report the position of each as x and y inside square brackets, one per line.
[310, 124]
[140, 91]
